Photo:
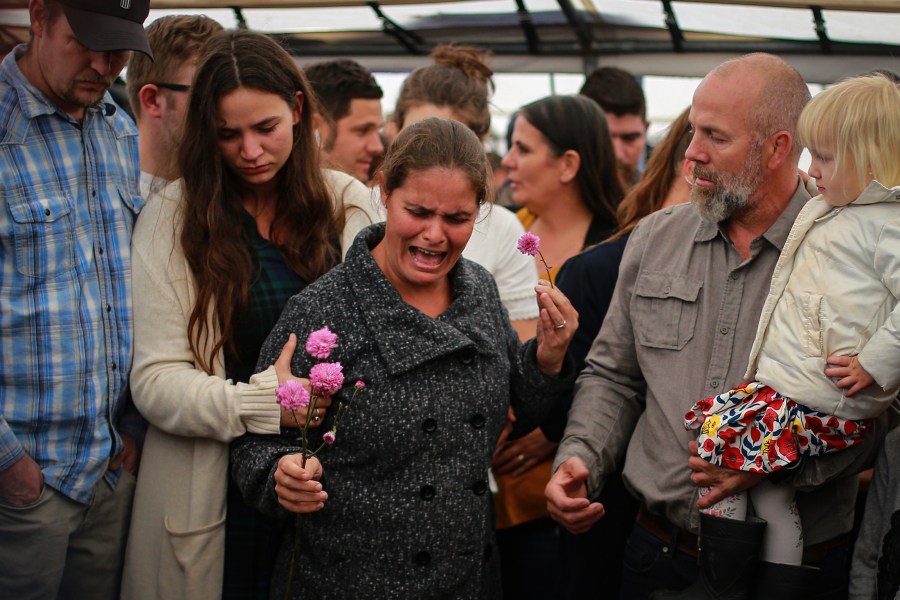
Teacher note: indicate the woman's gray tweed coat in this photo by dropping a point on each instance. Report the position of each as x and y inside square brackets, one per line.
[408, 512]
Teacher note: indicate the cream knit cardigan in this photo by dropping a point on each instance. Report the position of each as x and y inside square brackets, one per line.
[176, 545]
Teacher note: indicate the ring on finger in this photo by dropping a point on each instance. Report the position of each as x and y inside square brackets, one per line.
[561, 325]
[521, 458]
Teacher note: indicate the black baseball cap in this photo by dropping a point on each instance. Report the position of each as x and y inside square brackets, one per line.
[109, 25]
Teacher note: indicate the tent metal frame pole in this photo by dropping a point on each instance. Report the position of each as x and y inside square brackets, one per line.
[404, 37]
[527, 25]
[581, 29]
[672, 25]
[819, 20]
[239, 17]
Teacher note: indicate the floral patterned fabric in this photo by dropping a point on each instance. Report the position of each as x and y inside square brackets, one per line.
[754, 428]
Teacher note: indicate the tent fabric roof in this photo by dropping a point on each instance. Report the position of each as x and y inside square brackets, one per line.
[824, 39]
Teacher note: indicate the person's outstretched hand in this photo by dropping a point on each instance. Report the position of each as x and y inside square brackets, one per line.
[567, 497]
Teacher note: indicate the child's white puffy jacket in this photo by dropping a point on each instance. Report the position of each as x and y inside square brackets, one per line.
[835, 291]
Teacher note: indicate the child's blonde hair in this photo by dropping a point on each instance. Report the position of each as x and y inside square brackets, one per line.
[859, 119]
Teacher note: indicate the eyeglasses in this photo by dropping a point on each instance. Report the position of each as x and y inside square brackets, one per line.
[175, 87]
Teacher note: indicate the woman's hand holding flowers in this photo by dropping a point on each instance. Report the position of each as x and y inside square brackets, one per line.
[283, 371]
[296, 475]
[298, 488]
[556, 326]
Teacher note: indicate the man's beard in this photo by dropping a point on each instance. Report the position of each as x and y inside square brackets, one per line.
[732, 191]
[86, 99]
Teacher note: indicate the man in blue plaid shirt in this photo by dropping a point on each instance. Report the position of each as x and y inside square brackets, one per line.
[69, 193]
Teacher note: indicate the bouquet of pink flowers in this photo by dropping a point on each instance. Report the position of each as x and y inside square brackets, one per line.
[325, 379]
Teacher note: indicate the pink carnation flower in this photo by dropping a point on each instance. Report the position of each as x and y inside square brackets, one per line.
[292, 395]
[326, 378]
[360, 384]
[529, 244]
[328, 437]
[320, 343]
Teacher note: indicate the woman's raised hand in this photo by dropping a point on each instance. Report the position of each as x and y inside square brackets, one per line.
[556, 326]
[283, 371]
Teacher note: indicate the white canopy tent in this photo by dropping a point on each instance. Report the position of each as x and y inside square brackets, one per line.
[545, 46]
[824, 39]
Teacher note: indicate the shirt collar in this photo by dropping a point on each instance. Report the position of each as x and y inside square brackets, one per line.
[34, 102]
[875, 193]
[408, 338]
[776, 234]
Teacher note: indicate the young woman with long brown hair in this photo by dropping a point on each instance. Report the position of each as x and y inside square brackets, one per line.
[216, 256]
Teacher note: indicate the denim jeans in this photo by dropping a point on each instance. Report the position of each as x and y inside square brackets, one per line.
[651, 565]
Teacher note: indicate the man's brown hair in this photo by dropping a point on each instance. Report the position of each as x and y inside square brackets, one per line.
[173, 39]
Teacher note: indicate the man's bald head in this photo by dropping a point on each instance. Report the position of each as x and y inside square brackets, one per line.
[774, 91]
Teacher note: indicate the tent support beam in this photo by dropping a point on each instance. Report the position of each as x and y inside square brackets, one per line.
[581, 29]
[405, 38]
[527, 25]
[239, 17]
[819, 20]
[672, 25]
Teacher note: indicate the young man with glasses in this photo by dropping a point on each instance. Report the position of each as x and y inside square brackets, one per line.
[158, 91]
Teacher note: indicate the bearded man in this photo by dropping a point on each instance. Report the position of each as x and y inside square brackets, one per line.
[691, 288]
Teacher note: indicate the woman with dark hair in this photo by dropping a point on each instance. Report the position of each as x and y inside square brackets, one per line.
[563, 172]
[216, 255]
[408, 509]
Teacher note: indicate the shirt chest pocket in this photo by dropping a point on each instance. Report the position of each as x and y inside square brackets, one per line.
[664, 310]
[44, 231]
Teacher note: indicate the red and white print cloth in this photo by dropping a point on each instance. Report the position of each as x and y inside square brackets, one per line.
[754, 428]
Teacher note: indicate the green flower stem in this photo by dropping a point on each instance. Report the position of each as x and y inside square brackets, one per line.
[311, 409]
[294, 554]
[547, 267]
[303, 439]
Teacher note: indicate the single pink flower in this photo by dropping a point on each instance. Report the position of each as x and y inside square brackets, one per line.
[292, 395]
[529, 244]
[328, 437]
[326, 378]
[320, 343]
[361, 385]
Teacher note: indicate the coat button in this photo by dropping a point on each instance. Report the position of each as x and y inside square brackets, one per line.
[429, 425]
[477, 421]
[427, 492]
[423, 558]
[467, 359]
[479, 487]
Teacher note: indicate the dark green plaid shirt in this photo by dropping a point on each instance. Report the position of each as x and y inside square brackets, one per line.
[250, 540]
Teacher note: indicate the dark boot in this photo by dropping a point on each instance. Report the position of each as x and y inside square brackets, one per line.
[783, 582]
[728, 552]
